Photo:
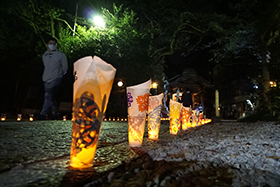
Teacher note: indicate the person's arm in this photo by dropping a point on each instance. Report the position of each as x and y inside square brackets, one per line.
[64, 64]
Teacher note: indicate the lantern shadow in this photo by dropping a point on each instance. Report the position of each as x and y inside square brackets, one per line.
[77, 177]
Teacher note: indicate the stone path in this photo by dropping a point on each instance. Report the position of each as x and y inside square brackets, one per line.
[230, 154]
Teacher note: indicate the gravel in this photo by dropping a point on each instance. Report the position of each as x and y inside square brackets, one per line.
[219, 154]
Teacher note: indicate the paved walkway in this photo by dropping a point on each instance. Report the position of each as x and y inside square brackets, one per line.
[37, 153]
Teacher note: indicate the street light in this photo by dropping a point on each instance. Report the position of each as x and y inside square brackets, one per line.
[120, 83]
[98, 21]
[154, 85]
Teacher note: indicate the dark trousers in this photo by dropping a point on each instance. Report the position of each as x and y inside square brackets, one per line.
[51, 89]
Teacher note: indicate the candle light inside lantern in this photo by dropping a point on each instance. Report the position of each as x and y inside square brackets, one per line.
[64, 118]
[31, 117]
[3, 116]
[113, 119]
[19, 117]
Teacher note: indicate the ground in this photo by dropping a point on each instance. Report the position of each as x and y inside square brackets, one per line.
[218, 154]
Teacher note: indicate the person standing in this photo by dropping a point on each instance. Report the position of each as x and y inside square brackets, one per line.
[55, 66]
[187, 99]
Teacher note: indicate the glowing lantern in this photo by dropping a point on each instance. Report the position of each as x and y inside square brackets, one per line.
[19, 117]
[109, 119]
[200, 118]
[154, 109]
[31, 117]
[175, 111]
[3, 116]
[113, 119]
[64, 118]
[137, 100]
[194, 118]
[105, 119]
[91, 94]
[186, 116]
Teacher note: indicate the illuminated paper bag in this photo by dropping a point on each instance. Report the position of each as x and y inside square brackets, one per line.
[200, 118]
[154, 109]
[92, 87]
[186, 117]
[137, 100]
[194, 118]
[175, 112]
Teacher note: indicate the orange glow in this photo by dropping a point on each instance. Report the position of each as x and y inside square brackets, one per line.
[186, 116]
[136, 128]
[3, 118]
[174, 122]
[64, 118]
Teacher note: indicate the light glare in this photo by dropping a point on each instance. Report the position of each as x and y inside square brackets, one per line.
[98, 21]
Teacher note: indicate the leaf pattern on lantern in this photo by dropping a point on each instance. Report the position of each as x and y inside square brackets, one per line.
[154, 122]
[87, 124]
[129, 99]
[142, 101]
[153, 103]
[134, 127]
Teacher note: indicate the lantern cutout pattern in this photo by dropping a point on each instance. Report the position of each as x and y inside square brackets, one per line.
[175, 113]
[93, 82]
[186, 117]
[137, 105]
[154, 109]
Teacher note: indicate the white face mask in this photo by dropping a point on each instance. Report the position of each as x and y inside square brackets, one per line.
[52, 47]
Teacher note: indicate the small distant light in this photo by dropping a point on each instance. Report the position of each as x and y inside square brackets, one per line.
[64, 118]
[109, 119]
[19, 117]
[154, 85]
[31, 117]
[3, 116]
[113, 119]
[120, 83]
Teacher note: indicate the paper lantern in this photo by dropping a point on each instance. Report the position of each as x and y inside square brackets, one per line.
[174, 118]
[186, 117]
[137, 102]
[154, 109]
[31, 117]
[200, 118]
[19, 117]
[92, 87]
[194, 118]
[3, 116]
